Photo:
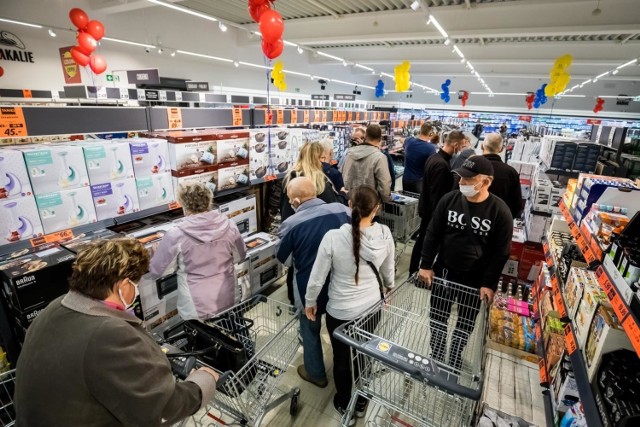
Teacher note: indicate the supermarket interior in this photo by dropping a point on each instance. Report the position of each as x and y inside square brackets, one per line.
[188, 187]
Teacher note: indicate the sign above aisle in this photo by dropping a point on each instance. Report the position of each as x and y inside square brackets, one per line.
[198, 86]
[320, 97]
[148, 76]
[344, 97]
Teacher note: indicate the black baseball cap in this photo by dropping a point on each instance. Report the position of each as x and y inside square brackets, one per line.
[475, 165]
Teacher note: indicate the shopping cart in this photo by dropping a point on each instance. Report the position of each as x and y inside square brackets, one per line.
[271, 342]
[420, 353]
[7, 388]
[402, 217]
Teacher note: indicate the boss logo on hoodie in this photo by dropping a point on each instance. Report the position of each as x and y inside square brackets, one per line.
[479, 225]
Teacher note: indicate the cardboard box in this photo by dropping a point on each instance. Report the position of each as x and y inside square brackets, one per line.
[37, 277]
[14, 179]
[243, 212]
[192, 155]
[210, 179]
[232, 176]
[26, 318]
[155, 190]
[605, 335]
[19, 220]
[107, 161]
[80, 241]
[149, 157]
[232, 146]
[54, 168]
[592, 298]
[531, 254]
[565, 393]
[66, 209]
[265, 267]
[114, 199]
[243, 279]
[281, 153]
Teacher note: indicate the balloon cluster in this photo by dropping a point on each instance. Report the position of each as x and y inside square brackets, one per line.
[89, 32]
[530, 99]
[559, 75]
[277, 75]
[540, 98]
[599, 105]
[464, 98]
[271, 27]
[402, 76]
[445, 91]
[380, 89]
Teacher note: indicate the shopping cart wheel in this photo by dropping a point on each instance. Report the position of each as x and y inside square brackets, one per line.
[293, 407]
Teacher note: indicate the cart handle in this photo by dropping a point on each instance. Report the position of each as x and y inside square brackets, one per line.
[473, 394]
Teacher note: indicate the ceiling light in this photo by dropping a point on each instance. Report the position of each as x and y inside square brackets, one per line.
[150, 46]
[249, 64]
[200, 55]
[344, 63]
[330, 56]
[184, 10]
[415, 5]
[602, 75]
[615, 72]
[447, 42]
[52, 33]
[633, 61]
[11, 21]
[222, 27]
[386, 74]
[292, 44]
[595, 80]
[456, 50]
[300, 50]
[343, 82]
[364, 67]
[160, 50]
[312, 77]
[462, 61]
[295, 73]
[173, 53]
[436, 24]
[236, 64]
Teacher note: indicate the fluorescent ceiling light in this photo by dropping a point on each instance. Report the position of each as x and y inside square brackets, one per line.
[300, 51]
[415, 5]
[364, 67]
[200, 55]
[602, 75]
[456, 50]
[447, 42]
[249, 64]
[367, 87]
[26, 24]
[633, 61]
[184, 10]
[52, 33]
[387, 75]
[343, 82]
[615, 72]
[295, 73]
[289, 43]
[435, 22]
[222, 27]
[150, 46]
[330, 56]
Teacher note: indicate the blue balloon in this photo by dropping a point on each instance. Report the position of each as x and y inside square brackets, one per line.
[536, 104]
[447, 98]
[443, 95]
[380, 89]
[448, 82]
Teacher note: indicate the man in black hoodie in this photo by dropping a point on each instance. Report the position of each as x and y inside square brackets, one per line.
[471, 252]
[506, 180]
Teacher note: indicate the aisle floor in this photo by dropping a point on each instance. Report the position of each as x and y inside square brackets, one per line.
[511, 386]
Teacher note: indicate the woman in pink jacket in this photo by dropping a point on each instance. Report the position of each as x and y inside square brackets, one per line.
[203, 248]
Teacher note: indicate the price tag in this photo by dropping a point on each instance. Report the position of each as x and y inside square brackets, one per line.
[174, 115]
[268, 178]
[124, 93]
[352, 115]
[162, 95]
[141, 95]
[633, 331]
[595, 248]
[538, 332]
[544, 381]
[618, 305]
[305, 116]
[58, 236]
[101, 92]
[178, 96]
[559, 304]
[294, 116]
[237, 116]
[569, 339]
[26, 93]
[324, 116]
[202, 97]
[12, 122]
[174, 205]
[279, 117]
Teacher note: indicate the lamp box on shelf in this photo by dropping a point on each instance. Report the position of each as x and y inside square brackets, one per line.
[37, 277]
[107, 161]
[79, 242]
[14, 179]
[282, 143]
[19, 220]
[204, 176]
[243, 213]
[149, 157]
[155, 190]
[66, 209]
[114, 199]
[53, 168]
[605, 335]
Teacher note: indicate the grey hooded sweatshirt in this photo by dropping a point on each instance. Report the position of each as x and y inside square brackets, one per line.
[348, 300]
[365, 164]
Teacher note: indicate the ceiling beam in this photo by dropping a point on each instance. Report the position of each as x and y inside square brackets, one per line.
[629, 37]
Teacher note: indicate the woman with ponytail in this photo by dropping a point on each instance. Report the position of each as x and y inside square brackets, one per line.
[360, 258]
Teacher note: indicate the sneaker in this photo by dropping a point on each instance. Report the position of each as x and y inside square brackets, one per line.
[317, 382]
[361, 407]
[341, 411]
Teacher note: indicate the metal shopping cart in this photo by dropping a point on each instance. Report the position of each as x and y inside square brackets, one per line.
[420, 354]
[271, 342]
[402, 218]
[7, 388]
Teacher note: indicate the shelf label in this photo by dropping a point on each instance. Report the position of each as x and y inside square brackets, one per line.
[12, 122]
[463, 115]
[557, 297]
[633, 331]
[174, 205]
[279, 117]
[324, 116]
[174, 115]
[595, 248]
[294, 116]
[544, 381]
[569, 339]
[268, 178]
[545, 248]
[594, 121]
[26, 93]
[237, 116]
[305, 116]
[124, 93]
[618, 305]
[58, 236]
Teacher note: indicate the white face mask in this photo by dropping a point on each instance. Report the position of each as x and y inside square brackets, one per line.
[469, 190]
[135, 296]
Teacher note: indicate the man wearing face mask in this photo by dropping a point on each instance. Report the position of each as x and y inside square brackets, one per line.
[300, 238]
[470, 233]
[357, 138]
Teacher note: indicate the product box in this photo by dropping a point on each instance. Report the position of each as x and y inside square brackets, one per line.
[243, 212]
[232, 176]
[243, 280]
[259, 155]
[80, 241]
[232, 146]
[210, 179]
[567, 394]
[605, 335]
[19, 220]
[155, 190]
[107, 161]
[115, 198]
[149, 156]
[53, 168]
[37, 277]
[531, 254]
[274, 162]
[66, 209]
[14, 179]
[592, 298]
[265, 267]
[192, 155]
[26, 318]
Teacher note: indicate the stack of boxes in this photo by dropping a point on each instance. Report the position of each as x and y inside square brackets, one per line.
[569, 154]
[603, 190]
[150, 160]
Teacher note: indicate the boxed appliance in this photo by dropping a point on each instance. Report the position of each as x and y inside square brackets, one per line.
[531, 254]
[26, 318]
[149, 156]
[265, 267]
[155, 190]
[565, 392]
[243, 212]
[80, 241]
[210, 179]
[53, 168]
[66, 209]
[117, 198]
[243, 280]
[14, 179]
[270, 162]
[19, 220]
[592, 298]
[37, 277]
[188, 156]
[232, 146]
[107, 161]
[232, 176]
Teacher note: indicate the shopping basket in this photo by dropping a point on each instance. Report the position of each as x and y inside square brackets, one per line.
[271, 341]
[402, 217]
[420, 353]
[7, 388]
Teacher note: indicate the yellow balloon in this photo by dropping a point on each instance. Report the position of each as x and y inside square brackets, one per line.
[549, 90]
[562, 82]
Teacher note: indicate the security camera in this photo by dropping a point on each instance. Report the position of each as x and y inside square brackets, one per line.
[147, 49]
[323, 84]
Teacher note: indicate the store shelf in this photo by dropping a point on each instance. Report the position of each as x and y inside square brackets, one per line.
[592, 259]
[548, 408]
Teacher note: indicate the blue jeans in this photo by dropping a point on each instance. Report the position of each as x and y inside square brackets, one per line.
[312, 346]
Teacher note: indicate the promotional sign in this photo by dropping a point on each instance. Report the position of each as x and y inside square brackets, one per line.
[198, 86]
[70, 69]
[12, 122]
[463, 115]
[594, 121]
[17, 51]
[525, 118]
[320, 97]
[344, 97]
[148, 76]
[174, 115]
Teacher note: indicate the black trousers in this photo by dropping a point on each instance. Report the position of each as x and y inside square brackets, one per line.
[414, 264]
[290, 294]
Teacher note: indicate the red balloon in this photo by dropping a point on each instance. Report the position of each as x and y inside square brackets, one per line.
[1, 71]
[87, 42]
[96, 29]
[79, 18]
[271, 26]
[256, 3]
[79, 57]
[257, 11]
[272, 50]
[98, 64]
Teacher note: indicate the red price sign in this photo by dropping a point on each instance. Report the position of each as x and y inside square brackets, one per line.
[538, 332]
[618, 305]
[594, 121]
[524, 118]
[595, 248]
[58, 236]
[631, 328]
[294, 116]
[174, 205]
[569, 339]
[463, 115]
[268, 178]
[544, 381]
[305, 116]
[559, 303]
[279, 117]
[12, 122]
[237, 116]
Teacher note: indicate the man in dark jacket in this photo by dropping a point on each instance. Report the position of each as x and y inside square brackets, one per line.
[470, 251]
[416, 152]
[506, 180]
[300, 237]
[437, 181]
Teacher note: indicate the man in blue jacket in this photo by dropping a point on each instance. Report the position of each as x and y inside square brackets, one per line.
[300, 237]
[416, 152]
